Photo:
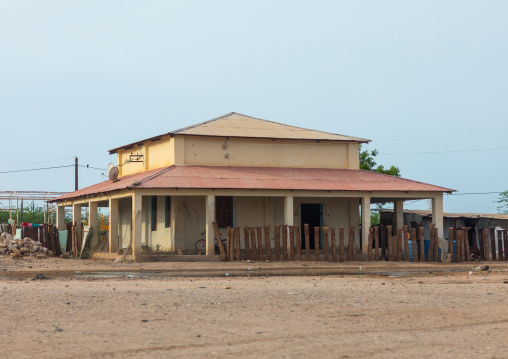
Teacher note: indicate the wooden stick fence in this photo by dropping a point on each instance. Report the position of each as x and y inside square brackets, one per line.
[406, 245]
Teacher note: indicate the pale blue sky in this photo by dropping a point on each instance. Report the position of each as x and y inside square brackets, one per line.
[80, 77]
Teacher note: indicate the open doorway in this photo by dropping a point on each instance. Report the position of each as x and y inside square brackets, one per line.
[312, 214]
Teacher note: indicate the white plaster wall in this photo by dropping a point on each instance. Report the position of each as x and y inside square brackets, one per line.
[162, 237]
[190, 221]
[124, 222]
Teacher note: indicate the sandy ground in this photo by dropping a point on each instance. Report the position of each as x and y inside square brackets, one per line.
[441, 311]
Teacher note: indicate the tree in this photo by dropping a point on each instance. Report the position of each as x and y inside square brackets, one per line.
[503, 203]
[367, 162]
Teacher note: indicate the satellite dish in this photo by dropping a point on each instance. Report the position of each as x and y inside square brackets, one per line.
[112, 172]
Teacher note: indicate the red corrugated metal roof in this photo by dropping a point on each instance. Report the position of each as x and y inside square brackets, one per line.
[270, 178]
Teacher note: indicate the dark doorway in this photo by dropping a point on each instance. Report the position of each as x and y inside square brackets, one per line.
[312, 214]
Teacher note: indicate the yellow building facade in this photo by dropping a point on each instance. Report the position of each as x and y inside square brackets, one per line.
[238, 171]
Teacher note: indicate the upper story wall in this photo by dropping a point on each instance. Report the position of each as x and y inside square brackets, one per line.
[248, 152]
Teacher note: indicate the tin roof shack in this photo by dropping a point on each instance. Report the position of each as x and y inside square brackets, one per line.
[475, 221]
[239, 171]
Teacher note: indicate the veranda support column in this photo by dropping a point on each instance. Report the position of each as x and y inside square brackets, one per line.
[365, 223]
[288, 210]
[398, 209]
[437, 213]
[137, 218]
[92, 222]
[76, 219]
[60, 218]
[113, 225]
[210, 218]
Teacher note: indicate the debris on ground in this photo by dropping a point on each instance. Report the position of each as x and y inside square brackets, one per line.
[39, 276]
[19, 248]
[483, 267]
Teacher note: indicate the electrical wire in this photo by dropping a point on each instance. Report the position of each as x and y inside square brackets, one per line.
[32, 163]
[441, 137]
[37, 169]
[463, 194]
[430, 152]
[95, 168]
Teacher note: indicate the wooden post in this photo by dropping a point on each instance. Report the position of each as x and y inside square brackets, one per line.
[285, 242]
[430, 250]
[459, 249]
[436, 246]
[298, 243]
[277, 243]
[414, 243]
[383, 242]
[369, 244]
[268, 244]
[351, 250]
[500, 245]
[481, 242]
[450, 242]
[232, 244]
[406, 244]
[307, 241]
[260, 243]
[228, 243]
[399, 243]
[253, 243]
[422, 243]
[246, 238]
[316, 244]
[325, 244]
[334, 245]
[376, 243]
[291, 243]
[505, 244]
[341, 244]
[467, 255]
[486, 245]
[493, 243]
[237, 243]
[389, 242]
[219, 241]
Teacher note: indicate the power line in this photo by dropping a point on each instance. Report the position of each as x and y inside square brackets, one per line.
[433, 152]
[95, 168]
[473, 193]
[37, 169]
[441, 137]
[32, 163]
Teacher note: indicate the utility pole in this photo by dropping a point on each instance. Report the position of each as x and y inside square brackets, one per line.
[76, 173]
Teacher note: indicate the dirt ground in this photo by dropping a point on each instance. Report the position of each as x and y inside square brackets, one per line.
[166, 310]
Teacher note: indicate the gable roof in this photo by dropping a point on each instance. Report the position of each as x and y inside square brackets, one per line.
[237, 125]
[260, 178]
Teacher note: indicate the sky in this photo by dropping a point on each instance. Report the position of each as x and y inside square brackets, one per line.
[426, 81]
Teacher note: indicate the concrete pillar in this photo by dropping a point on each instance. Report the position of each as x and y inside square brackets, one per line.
[437, 213]
[93, 222]
[288, 210]
[173, 222]
[60, 218]
[76, 219]
[137, 222]
[210, 218]
[365, 223]
[113, 225]
[398, 215]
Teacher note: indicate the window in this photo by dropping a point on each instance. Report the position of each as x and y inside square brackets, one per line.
[168, 211]
[224, 211]
[154, 214]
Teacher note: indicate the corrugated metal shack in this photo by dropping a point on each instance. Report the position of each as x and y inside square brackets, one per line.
[475, 221]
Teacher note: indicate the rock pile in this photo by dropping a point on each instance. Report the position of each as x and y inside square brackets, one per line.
[19, 248]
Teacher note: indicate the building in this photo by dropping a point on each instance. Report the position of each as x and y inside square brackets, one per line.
[239, 171]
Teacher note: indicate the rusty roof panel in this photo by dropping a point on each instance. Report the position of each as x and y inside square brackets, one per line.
[210, 177]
